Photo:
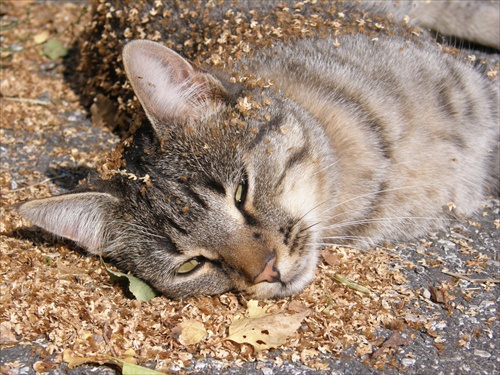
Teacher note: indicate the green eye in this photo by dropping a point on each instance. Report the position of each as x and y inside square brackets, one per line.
[189, 266]
[241, 192]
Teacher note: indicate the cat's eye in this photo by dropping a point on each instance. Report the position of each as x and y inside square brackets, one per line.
[189, 266]
[241, 192]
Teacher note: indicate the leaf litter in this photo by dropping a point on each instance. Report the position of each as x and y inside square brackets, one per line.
[83, 317]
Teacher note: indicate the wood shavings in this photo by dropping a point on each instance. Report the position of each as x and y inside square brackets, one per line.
[51, 290]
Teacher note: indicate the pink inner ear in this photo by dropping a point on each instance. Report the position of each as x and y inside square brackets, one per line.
[166, 84]
[81, 217]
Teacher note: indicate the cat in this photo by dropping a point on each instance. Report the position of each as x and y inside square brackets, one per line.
[240, 176]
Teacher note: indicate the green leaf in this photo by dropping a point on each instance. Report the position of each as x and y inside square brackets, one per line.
[54, 49]
[130, 369]
[350, 284]
[141, 290]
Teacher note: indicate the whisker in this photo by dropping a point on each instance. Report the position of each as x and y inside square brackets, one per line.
[334, 244]
[364, 239]
[309, 227]
[380, 220]
[369, 195]
[327, 167]
[307, 213]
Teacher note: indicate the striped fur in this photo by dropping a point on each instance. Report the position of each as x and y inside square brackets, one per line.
[356, 142]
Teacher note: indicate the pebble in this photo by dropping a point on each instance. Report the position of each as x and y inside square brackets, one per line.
[407, 362]
[487, 303]
[426, 294]
[493, 263]
[16, 47]
[266, 371]
[49, 65]
[465, 368]
[419, 269]
[75, 116]
[447, 245]
[200, 366]
[482, 353]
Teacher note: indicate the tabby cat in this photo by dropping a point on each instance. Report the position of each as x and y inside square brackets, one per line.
[240, 176]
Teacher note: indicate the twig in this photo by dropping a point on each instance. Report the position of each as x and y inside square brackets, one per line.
[37, 184]
[105, 330]
[464, 277]
[26, 100]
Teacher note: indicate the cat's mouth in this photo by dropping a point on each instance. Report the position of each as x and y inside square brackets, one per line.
[294, 281]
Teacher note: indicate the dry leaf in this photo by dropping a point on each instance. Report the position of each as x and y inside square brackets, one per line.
[103, 112]
[254, 310]
[190, 332]
[41, 366]
[76, 361]
[127, 368]
[262, 330]
[6, 335]
[331, 259]
[41, 37]
[393, 341]
[441, 294]
[297, 306]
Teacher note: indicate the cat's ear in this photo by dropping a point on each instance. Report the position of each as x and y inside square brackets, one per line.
[81, 217]
[167, 85]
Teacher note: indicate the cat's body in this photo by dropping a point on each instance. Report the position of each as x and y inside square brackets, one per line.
[233, 187]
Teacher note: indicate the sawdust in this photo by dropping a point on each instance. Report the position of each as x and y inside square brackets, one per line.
[51, 290]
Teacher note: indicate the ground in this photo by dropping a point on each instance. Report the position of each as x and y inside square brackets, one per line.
[431, 306]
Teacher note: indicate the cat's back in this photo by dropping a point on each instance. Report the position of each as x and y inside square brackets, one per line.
[364, 68]
[406, 121]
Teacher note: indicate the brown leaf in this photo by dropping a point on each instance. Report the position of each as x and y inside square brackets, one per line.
[41, 366]
[441, 295]
[393, 341]
[263, 330]
[331, 259]
[6, 335]
[297, 306]
[189, 332]
[75, 361]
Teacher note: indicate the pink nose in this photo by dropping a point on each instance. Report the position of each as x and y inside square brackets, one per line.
[269, 274]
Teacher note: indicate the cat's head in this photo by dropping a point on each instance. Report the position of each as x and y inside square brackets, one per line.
[223, 191]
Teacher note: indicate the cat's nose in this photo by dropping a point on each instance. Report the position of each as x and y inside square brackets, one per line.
[269, 274]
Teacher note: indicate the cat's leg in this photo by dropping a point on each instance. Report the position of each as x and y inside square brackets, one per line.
[476, 21]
